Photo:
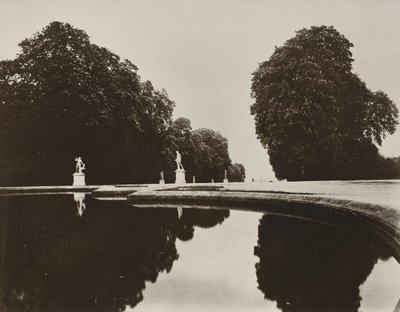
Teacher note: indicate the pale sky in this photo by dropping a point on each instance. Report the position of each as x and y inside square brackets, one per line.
[203, 52]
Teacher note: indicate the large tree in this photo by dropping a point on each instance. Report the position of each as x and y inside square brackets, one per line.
[236, 173]
[212, 154]
[316, 117]
[62, 97]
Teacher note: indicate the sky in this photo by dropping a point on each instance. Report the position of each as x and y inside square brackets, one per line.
[204, 52]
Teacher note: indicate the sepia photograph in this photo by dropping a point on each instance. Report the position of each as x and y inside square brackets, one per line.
[199, 155]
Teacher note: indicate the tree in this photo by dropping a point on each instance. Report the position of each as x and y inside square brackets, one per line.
[236, 173]
[204, 154]
[180, 139]
[63, 97]
[317, 119]
[212, 154]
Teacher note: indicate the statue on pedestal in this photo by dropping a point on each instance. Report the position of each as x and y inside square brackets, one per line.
[225, 176]
[178, 161]
[79, 176]
[162, 181]
[179, 172]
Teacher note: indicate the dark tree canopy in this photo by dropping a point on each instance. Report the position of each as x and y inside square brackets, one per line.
[63, 97]
[316, 117]
[204, 154]
[212, 154]
[236, 173]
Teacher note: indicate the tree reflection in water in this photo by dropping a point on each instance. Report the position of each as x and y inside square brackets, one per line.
[308, 266]
[54, 260]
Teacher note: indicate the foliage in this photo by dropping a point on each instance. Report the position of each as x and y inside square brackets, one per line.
[180, 139]
[236, 173]
[387, 168]
[204, 154]
[212, 154]
[317, 119]
[63, 97]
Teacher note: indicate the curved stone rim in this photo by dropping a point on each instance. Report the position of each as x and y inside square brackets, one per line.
[377, 218]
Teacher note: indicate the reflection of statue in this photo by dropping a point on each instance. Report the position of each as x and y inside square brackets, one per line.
[307, 266]
[178, 160]
[80, 166]
[180, 212]
[80, 203]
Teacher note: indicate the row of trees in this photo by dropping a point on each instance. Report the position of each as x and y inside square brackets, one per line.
[316, 117]
[63, 97]
[204, 154]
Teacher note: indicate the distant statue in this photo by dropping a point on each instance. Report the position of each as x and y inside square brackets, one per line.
[162, 181]
[178, 160]
[226, 176]
[80, 166]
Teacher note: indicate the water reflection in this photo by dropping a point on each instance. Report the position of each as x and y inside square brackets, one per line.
[79, 199]
[51, 262]
[307, 266]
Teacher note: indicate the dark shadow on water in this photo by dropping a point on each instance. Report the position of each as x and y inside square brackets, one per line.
[54, 259]
[309, 266]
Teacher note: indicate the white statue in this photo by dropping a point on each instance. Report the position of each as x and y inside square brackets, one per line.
[178, 160]
[80, 166]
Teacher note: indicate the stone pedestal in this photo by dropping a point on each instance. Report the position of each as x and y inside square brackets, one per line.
[79, 179]
[225, 180]
[162, 181]
[180, 176]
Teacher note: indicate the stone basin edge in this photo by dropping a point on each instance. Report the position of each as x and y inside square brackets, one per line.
[383, 218]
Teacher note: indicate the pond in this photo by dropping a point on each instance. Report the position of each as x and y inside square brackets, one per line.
[70, 253]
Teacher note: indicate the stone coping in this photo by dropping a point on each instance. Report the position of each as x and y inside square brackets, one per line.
[376, 203]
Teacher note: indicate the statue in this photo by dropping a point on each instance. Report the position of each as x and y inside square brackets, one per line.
[178, 160]
[80, 166]
[226, 176]
[179, 172]
[162, 181]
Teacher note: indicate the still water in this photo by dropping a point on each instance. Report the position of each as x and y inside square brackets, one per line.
[69, 253]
